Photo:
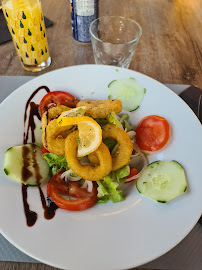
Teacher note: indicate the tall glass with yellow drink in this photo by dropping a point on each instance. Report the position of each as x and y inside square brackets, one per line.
[26, 24]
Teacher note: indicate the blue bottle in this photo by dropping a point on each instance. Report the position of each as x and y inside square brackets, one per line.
[83, 12]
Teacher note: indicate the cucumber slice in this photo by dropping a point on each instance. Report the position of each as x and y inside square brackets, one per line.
[129, 91]
[26, 164]
[162, 181]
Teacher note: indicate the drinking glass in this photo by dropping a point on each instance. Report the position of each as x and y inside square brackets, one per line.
[114, 40]
[26, 24]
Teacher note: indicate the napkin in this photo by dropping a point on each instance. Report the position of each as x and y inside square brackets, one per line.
[4, 32]
[191, 97]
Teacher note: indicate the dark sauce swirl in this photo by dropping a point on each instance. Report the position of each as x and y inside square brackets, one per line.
[31, 216]
[45, 132]
[26, 173]
[34, 110]
[50, 208]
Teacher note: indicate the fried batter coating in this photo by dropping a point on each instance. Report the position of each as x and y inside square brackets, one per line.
[53, 112]
[53, 137]
[92, 157]
[87, 172]
[101, 108]
[125, 146]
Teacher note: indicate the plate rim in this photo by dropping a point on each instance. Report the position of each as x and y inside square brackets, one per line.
[66, 68]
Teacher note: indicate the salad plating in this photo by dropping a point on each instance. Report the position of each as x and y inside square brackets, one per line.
[91, 150]
[99, 147]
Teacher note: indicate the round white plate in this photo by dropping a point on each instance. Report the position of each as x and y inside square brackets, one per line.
[107, 236]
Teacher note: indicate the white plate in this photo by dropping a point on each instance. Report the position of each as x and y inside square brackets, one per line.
[107, 236]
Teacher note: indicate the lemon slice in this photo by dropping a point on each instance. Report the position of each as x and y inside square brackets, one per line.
[90, 133]
[79, 111]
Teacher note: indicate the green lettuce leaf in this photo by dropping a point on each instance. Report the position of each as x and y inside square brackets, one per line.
[112, 118]
[56, 163]
[107, 190]
[125, 122]
[122, 173]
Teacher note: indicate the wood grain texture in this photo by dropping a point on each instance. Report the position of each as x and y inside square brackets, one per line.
[170, 49]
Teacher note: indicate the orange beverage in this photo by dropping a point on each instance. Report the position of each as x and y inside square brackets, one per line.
[26, 24]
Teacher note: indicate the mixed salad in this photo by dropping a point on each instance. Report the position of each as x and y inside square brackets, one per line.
[90, 149]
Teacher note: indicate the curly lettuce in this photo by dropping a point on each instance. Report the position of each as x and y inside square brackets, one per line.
[108, 190]
[112, 118]
[122, 173]
[56, 163]
[124, 120]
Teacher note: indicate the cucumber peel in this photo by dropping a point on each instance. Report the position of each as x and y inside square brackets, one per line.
[129, 91]
[162, 181]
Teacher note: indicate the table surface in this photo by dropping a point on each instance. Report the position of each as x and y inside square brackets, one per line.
[170, 49]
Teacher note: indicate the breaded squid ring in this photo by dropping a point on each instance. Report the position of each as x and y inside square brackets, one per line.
[101, 108]
[87, 172]
[53, 137]
[92, 157]
[125, 146]
[52, 113]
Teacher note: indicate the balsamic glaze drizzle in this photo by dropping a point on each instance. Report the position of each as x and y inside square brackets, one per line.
[31, 216]
[49, 210]
[25, 172]
[45, 129]
[33, 111]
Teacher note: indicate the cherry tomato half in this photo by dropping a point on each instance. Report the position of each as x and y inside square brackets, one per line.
[44, 151]
[133, 171]
[57, 97]
[70, 196]
[152, 133]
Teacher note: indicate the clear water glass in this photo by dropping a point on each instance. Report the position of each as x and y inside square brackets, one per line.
[114, 40]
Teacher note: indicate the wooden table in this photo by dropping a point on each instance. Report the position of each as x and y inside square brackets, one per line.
[170, 49]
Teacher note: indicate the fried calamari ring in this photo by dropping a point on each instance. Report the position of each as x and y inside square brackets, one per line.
[125, 146]
[92, 157]
[52, 113]
[53, 137]
[87, 172]
[101, 108]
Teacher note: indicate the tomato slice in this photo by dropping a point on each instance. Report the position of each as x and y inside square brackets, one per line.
[44, 150]
[133, 171]
[70, 196]
[152, 133]
[56, 97]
